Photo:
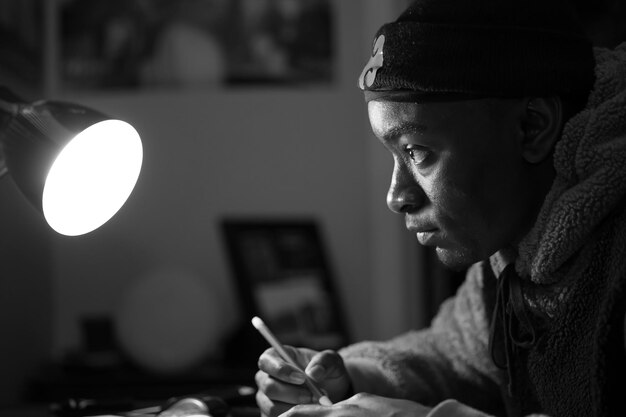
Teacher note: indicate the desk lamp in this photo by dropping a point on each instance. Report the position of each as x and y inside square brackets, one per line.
[75, 165]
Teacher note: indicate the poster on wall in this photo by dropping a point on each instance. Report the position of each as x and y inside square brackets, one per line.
[21, 34]
[122, 44]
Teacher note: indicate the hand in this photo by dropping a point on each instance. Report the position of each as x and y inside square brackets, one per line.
[362, 405]
[281, 386]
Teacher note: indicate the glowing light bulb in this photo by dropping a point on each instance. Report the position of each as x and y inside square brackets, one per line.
[92, 177]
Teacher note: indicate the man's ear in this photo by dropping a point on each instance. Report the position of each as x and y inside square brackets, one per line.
[541, 127]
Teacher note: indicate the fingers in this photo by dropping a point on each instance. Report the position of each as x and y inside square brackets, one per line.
[273, 409]
[270, 408]
[275, 397]
[281, 385]
[328, 370]
[277, 390]
[326, 364]
[312, 410]
[271, 363]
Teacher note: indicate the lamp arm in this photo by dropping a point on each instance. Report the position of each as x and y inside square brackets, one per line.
[8, 107]
[8, 111]
[3, 165]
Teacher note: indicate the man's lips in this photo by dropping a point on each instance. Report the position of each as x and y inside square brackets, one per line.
[426, 237]
[420, 228]
[424, 233]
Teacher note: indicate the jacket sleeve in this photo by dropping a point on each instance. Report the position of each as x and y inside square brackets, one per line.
[448, 360]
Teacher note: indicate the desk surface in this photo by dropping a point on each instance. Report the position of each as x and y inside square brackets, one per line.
[56, 382]
[128, 389]
[25, 411]
[43, 411]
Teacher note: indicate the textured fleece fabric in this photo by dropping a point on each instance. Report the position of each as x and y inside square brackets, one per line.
[573, 264]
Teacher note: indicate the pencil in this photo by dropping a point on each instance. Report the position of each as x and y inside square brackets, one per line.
[271, 339]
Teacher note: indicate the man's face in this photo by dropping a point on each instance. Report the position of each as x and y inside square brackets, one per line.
[459, 176]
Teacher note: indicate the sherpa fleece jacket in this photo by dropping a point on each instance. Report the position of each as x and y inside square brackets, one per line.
[573, 269]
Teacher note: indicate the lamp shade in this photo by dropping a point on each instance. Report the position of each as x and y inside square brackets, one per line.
[75, 164]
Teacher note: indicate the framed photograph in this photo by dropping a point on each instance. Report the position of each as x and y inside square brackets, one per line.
[134, 44]
[284, 277]
[280, 42]
[21, 40]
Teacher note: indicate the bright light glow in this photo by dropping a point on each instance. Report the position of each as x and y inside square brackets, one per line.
[92, 177]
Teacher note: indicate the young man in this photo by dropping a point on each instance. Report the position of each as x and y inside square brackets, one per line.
[509, 143]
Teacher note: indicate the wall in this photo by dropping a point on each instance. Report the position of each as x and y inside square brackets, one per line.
[279, 152]
[224, 153]
[212, 153]
[25, 291]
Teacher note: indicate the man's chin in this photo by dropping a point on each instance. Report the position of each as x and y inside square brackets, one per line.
[456, 260]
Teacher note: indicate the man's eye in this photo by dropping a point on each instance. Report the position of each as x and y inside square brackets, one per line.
[417, 154]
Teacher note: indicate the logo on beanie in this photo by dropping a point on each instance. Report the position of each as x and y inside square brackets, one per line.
[375, 62]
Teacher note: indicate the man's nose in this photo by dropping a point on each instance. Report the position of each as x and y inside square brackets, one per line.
[405, 195]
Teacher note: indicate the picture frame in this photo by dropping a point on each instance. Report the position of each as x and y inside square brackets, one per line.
[106, 45]
[283, 275]
[22, 32]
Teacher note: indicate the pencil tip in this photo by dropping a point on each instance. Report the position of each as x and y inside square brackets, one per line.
[324, 400]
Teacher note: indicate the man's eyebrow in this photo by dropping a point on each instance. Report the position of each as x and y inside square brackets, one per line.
[404, 129]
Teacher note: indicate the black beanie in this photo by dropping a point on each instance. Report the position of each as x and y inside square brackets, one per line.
[497, 48]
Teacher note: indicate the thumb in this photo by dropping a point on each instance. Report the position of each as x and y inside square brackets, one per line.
[325, 364]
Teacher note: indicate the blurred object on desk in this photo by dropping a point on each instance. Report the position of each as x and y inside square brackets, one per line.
[168, 321]
[200, 404]
[58, 383]
[37, 410]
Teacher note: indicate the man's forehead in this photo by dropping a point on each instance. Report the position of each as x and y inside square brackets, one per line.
[403, 96]
[388, 118]
[395, 109]
[389, 108]
[407, 110]
[392, 117]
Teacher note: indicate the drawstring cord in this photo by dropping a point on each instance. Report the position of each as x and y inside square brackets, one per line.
[510, 323]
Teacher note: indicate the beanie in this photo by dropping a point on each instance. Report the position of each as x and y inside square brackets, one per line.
[495, 48]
